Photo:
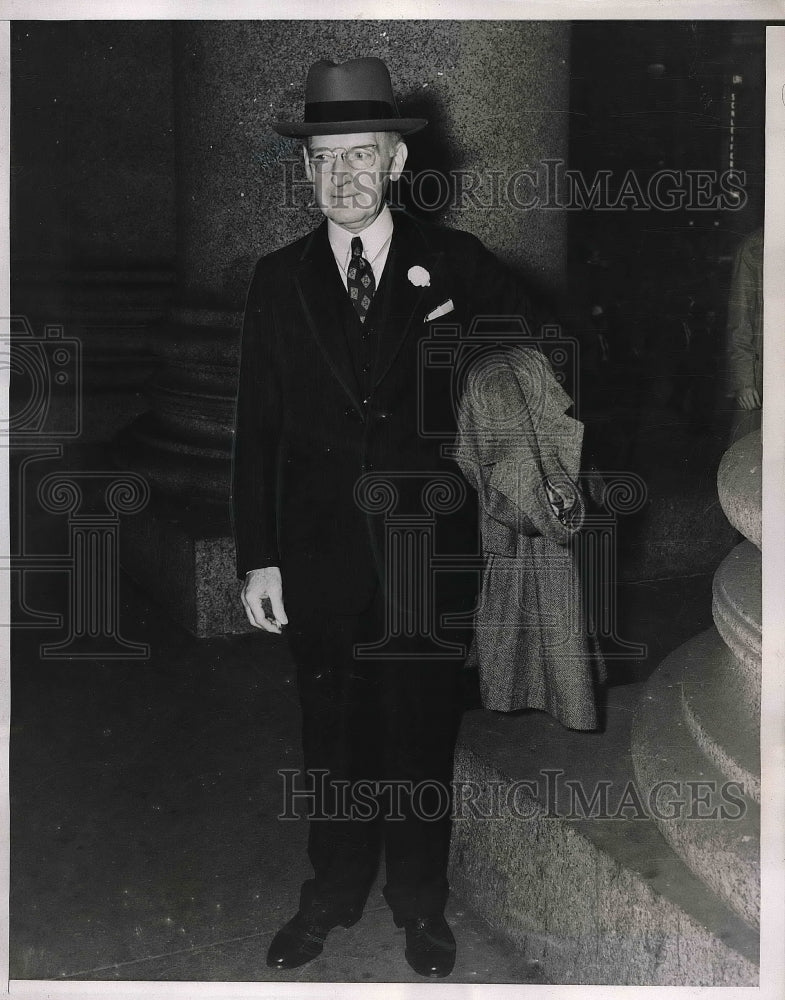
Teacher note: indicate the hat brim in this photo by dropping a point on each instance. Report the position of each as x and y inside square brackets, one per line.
[297, 130]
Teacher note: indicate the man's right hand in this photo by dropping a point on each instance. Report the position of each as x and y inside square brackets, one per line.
[260, 584]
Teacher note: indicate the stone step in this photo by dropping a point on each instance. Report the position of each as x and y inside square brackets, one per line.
[597, 899]
[718, 840]
[736, 609]
[722, 723]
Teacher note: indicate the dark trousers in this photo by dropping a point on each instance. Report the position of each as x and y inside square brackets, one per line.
[384, 732]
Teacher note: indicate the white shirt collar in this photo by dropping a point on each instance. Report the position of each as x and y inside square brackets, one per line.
[375, 237]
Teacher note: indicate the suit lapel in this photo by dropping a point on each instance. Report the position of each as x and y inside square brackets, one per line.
[322, 297]
[403, 300]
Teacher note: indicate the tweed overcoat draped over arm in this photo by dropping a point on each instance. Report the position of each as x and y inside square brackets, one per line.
[522, 453]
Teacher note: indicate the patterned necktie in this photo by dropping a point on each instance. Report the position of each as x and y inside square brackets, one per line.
[360, 281]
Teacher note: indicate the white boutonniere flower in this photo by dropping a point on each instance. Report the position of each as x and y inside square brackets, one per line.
[419, 276]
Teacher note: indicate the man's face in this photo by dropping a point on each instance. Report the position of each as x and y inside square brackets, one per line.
[350, 174]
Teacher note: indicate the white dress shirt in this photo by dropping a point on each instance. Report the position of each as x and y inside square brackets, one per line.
[376, 244]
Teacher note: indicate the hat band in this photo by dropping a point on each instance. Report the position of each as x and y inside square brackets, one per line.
[347, 111]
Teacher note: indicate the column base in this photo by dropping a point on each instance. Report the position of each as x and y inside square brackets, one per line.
[717, 837]
[594, 899]
[184, 558]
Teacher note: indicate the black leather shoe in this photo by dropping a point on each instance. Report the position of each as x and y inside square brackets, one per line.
[302, 939]
[430, 946]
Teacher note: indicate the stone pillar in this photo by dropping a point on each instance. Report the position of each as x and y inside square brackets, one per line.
[92, 202]
[698, 723]
[496, 93]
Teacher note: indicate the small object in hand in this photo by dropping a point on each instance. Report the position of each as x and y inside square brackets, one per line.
[268, 613]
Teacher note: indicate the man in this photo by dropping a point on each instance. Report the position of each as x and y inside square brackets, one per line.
[744, 336]
[329, 444]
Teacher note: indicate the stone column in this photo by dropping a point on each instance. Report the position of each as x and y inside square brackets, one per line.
[496, 93]
[698, 723]
[92, 203]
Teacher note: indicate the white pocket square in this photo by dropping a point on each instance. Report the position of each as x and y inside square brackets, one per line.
[441, 310]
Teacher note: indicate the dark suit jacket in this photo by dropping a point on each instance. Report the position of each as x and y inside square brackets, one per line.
[307, 429]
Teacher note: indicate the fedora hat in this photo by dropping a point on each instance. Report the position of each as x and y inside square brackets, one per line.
[355, 96]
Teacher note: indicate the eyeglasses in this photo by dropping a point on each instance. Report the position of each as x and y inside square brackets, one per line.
[356, 158]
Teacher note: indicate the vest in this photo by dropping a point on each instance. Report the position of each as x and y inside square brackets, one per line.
[363, 338]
